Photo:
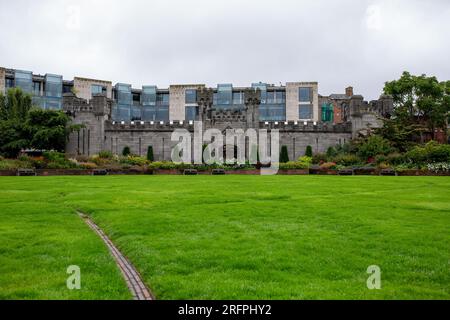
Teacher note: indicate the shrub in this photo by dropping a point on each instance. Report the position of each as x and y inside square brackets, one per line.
[328, 165]
[134, 161]
[319, 158]
[305, 161]
[432, 152]
[395, 158]
[439, 167]
[309, 151]
[437, 152]
[126, 151]
[381, 158]
[284, 157]
[105, 154]
[331, 152]
[54, 156]
[347, 160]
[150, 154]
[373, 146]
[293, 165]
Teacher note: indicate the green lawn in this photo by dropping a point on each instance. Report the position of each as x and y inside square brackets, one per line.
[228, 237]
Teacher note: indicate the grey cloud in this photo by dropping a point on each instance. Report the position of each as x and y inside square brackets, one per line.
[338, 43]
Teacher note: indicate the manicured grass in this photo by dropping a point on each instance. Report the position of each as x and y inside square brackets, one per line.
[40, 238]
[230, 237]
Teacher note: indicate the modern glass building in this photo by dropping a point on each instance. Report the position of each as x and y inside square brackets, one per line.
[293, 102]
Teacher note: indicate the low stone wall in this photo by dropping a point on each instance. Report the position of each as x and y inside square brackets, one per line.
[356, 172]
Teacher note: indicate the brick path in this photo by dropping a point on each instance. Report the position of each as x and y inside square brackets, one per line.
[132, 277]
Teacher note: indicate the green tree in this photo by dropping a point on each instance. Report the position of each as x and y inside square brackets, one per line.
[150, 154]
[23, 126]
[421, 104]
[284, 156]
[309, 151]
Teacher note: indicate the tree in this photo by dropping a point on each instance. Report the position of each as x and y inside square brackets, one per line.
[150, 154]
[23, 126]
[48, 130]
[284, 156]
[421, 104]
[309, 152]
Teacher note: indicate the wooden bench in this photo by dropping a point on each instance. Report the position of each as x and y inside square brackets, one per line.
[99, 172]
[388, 172]
[346, 172]
[26, 172]
[218, 172]
[190, 172]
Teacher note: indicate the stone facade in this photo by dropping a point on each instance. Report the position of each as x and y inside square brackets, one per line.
[177, 100]
[2, 80]
[101, 133]
[83, 87]
[292, 100]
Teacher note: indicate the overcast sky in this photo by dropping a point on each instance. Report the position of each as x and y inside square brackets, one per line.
[338, 43]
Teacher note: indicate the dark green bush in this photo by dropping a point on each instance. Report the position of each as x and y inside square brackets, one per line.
[284, 156]
[373, 146]
[432, 152]
[331, 152]
[309, 151]
[150, 154]
[126, 151]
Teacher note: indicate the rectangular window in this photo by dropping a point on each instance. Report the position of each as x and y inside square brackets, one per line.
[238, 98]
[305, 94]
[263, 87]
[224, 94]
[36, 88]
[191, 113]
[162, 99]
[191, 96]
[9, 83]
[96, 89]
[305, 112]
[53, 86]
[148, 96]
[24, 80]
[67, 88]
[327, 112]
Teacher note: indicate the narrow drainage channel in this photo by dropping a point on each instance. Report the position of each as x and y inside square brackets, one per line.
[132, 277]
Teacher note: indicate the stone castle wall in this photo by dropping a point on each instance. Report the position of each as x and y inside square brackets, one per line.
[100, 133]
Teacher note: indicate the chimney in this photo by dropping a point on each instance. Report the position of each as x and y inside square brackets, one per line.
[349, 91]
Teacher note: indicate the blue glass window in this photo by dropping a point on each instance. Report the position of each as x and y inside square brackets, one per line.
[191, 113]
[124, 100]
[238, 98]
[224, 95]
[36, 88]
[96, 89]
[9, 83]
[305, 94]
[191, 96]
[148, 96]
[305, 112]
[263, 88]
[24, 80]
